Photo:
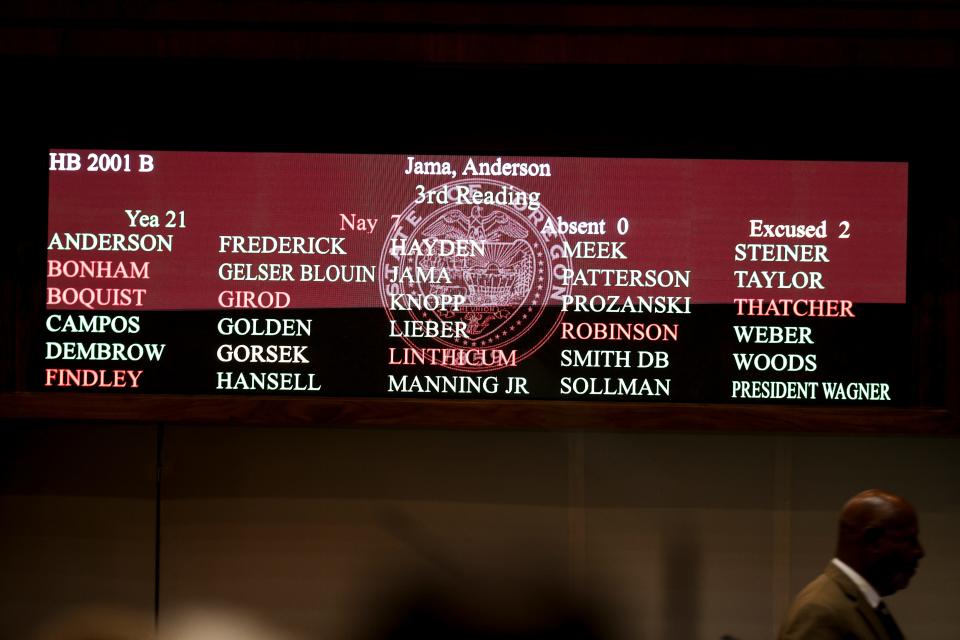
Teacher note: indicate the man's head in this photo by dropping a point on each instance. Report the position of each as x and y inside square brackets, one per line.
[878, 538]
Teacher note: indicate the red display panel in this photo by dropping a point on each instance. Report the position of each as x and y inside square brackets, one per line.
[544, 277]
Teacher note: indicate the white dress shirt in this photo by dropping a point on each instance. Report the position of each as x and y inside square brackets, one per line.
[868, 591]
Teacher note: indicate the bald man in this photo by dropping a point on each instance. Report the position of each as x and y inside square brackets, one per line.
[877, 553]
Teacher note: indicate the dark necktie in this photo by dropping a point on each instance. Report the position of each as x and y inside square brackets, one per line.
[888, 622]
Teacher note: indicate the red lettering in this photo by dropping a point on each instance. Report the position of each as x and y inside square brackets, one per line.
[800, 308]
[103, 378]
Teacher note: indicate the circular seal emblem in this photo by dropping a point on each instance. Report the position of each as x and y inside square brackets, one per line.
[469, 280]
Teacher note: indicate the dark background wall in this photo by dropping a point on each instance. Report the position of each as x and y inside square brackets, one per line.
[681, 535]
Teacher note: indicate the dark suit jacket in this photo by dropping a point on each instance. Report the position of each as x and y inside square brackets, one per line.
[832, 608]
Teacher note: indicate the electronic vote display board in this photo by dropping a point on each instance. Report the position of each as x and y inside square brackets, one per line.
[610, 279]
